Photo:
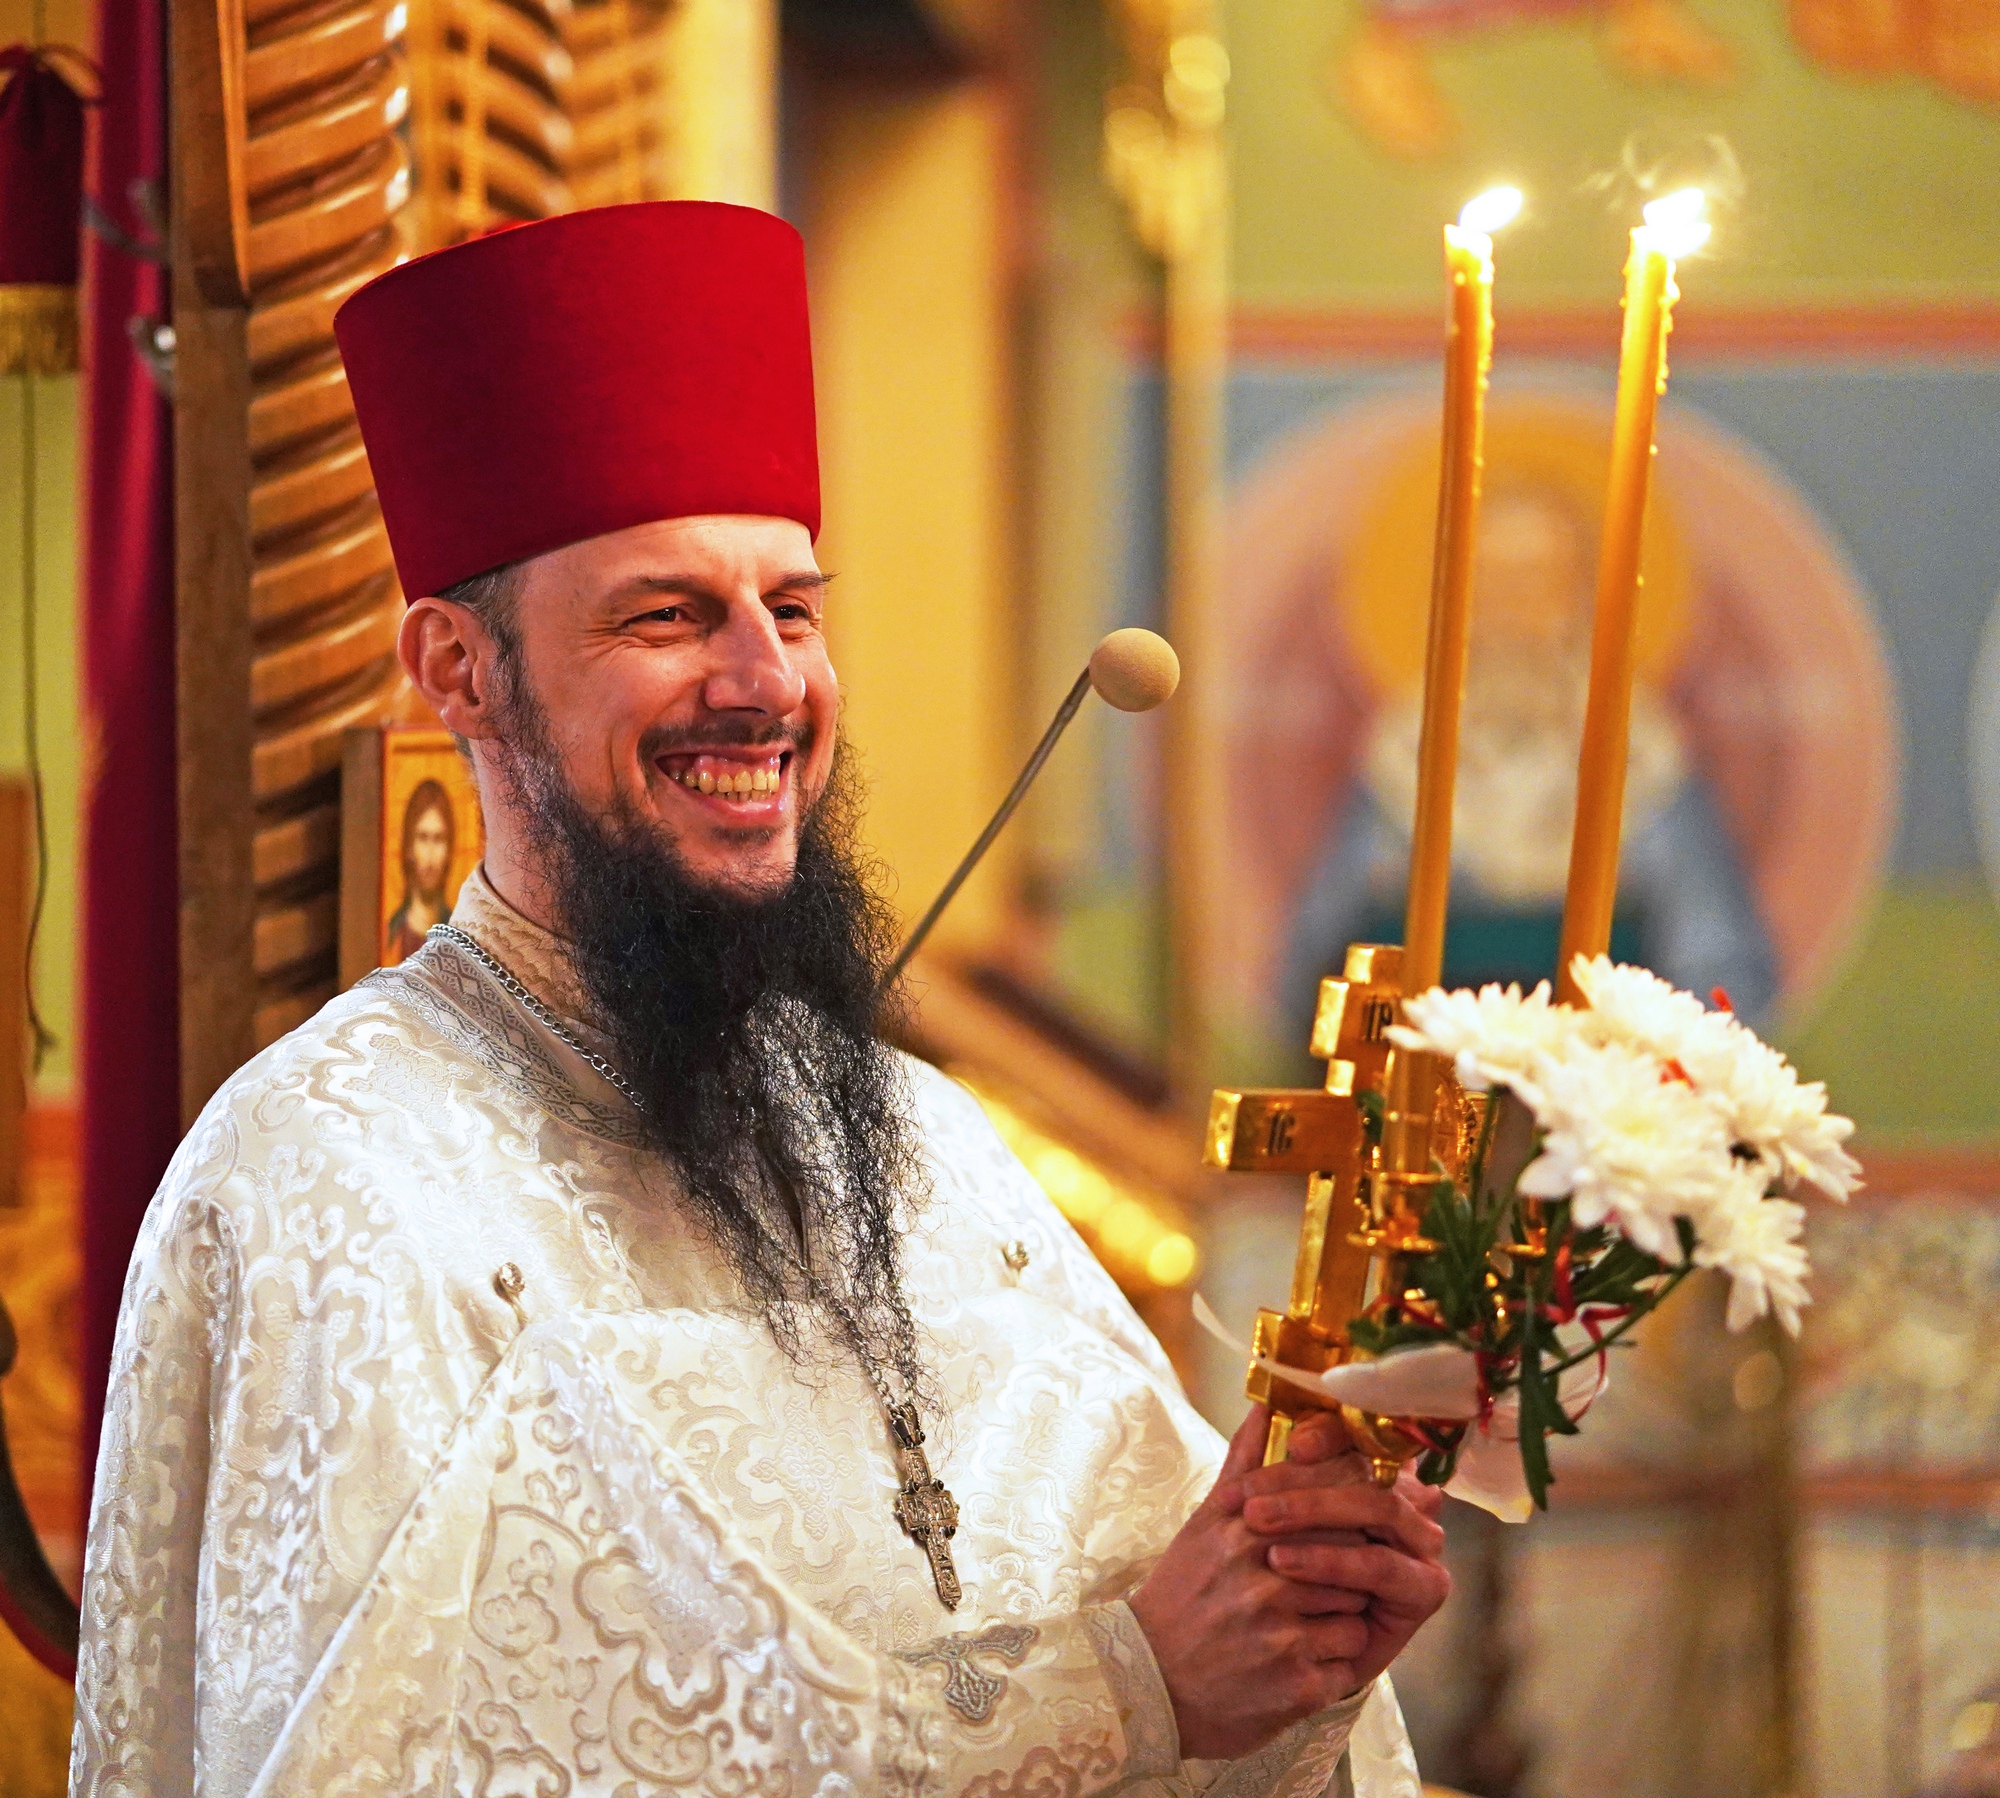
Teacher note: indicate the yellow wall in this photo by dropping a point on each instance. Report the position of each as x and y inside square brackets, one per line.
[57, 522]
[55, 421]
[905, 241]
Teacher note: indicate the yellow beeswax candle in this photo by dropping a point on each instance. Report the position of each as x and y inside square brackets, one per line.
[1674, 228]
[1468, 260]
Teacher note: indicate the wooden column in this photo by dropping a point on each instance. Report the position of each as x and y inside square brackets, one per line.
[1164, 154]
[289, 179]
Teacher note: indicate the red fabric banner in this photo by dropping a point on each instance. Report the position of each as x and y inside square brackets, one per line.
[130, 880]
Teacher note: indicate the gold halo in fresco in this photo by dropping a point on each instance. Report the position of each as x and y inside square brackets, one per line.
[1552, 456]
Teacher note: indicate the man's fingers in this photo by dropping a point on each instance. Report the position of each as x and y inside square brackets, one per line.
[1335, 1638]
[1293, 1501]
[1318, 1436]
[1246, 1454]
[1428, 1501]
[1304, 1599]
[1397, 1581]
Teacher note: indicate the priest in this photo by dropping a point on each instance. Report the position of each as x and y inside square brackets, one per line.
[585, 1358]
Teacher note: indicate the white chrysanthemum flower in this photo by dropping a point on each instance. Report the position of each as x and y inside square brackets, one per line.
[1757, 1244]
[1636, 1006]
[1627, 1146]
[1783, 1118]
[1496, 1036]
[1767, 1107]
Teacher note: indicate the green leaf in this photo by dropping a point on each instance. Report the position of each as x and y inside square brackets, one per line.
[1436, 1467]
[1536, 1404]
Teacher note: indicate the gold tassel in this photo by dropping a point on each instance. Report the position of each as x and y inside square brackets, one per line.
[37, 329]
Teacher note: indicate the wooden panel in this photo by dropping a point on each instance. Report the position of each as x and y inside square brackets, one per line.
[302, 140]
[615, 99]
[509, 106]
[211, 542]
[306, 403]
[289, 605]
[333, 181]
[351, 550]
[359, 197]
[329, 656]
[290, 934]
[302, 490]
[289, 758]
[521, 111]
[298, 320]
[360, 854]
[292, 59]
[296, 846]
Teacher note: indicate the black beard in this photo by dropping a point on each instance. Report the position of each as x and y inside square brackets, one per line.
[749, 1027]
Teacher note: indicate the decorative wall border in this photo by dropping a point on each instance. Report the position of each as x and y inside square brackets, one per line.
[1955, 330]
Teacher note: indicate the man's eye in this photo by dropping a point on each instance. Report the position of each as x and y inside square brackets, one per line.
[663, 615]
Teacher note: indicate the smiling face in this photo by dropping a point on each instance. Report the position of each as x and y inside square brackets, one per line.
[651, 717]
[681, 671]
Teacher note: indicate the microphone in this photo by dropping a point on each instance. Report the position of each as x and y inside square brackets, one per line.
[1132, 671]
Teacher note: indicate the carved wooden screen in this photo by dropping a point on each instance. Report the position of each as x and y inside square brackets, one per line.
[318, 142]
[525, 108]
[327, 180]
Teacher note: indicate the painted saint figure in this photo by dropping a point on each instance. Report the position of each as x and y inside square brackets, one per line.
[1685, 907]
[430, 837]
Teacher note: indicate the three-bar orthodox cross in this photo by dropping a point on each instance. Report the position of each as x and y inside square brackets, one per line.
[927, 1512]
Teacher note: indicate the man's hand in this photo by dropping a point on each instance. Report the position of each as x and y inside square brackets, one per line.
[1390, 1557]
[1249, 1644]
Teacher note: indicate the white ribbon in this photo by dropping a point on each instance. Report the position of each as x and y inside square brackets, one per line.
[1441, 1381]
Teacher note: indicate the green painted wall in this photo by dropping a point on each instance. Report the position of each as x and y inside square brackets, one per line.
[1908, 1039]
[1852, 189]
[56, 640]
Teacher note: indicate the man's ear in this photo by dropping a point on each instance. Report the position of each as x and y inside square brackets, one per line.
[453, 661]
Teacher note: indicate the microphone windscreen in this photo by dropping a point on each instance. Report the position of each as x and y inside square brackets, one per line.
[1135, 670]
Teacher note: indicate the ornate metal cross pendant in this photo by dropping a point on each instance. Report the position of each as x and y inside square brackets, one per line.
[924, 1508]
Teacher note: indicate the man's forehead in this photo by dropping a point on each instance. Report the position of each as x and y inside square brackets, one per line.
[717, 553]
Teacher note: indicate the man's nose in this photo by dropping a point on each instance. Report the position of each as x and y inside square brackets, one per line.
[750, 670]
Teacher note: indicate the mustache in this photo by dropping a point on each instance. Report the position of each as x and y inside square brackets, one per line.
[727, 733]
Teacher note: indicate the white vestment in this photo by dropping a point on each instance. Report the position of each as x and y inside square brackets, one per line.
[363, 1526]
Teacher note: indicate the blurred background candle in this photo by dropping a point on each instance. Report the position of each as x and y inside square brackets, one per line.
[1674, 228]
[1468, 258]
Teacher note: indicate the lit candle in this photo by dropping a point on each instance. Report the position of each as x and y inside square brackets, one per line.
[1468, 260]
[1674, 227]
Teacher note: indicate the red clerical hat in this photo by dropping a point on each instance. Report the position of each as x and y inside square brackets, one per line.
[582, 374]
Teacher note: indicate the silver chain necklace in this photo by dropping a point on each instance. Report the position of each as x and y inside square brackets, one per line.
[537, 1010]
[924, 1507]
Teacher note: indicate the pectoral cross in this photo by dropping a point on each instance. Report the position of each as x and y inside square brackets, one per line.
[924, 1508]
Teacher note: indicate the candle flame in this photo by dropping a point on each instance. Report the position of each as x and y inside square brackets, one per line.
[1674, 222]
[1486, 213]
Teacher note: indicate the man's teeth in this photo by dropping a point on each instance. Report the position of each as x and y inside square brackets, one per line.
[751, 783]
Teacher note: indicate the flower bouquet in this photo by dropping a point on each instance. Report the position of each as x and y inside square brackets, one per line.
[1625, 1145]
